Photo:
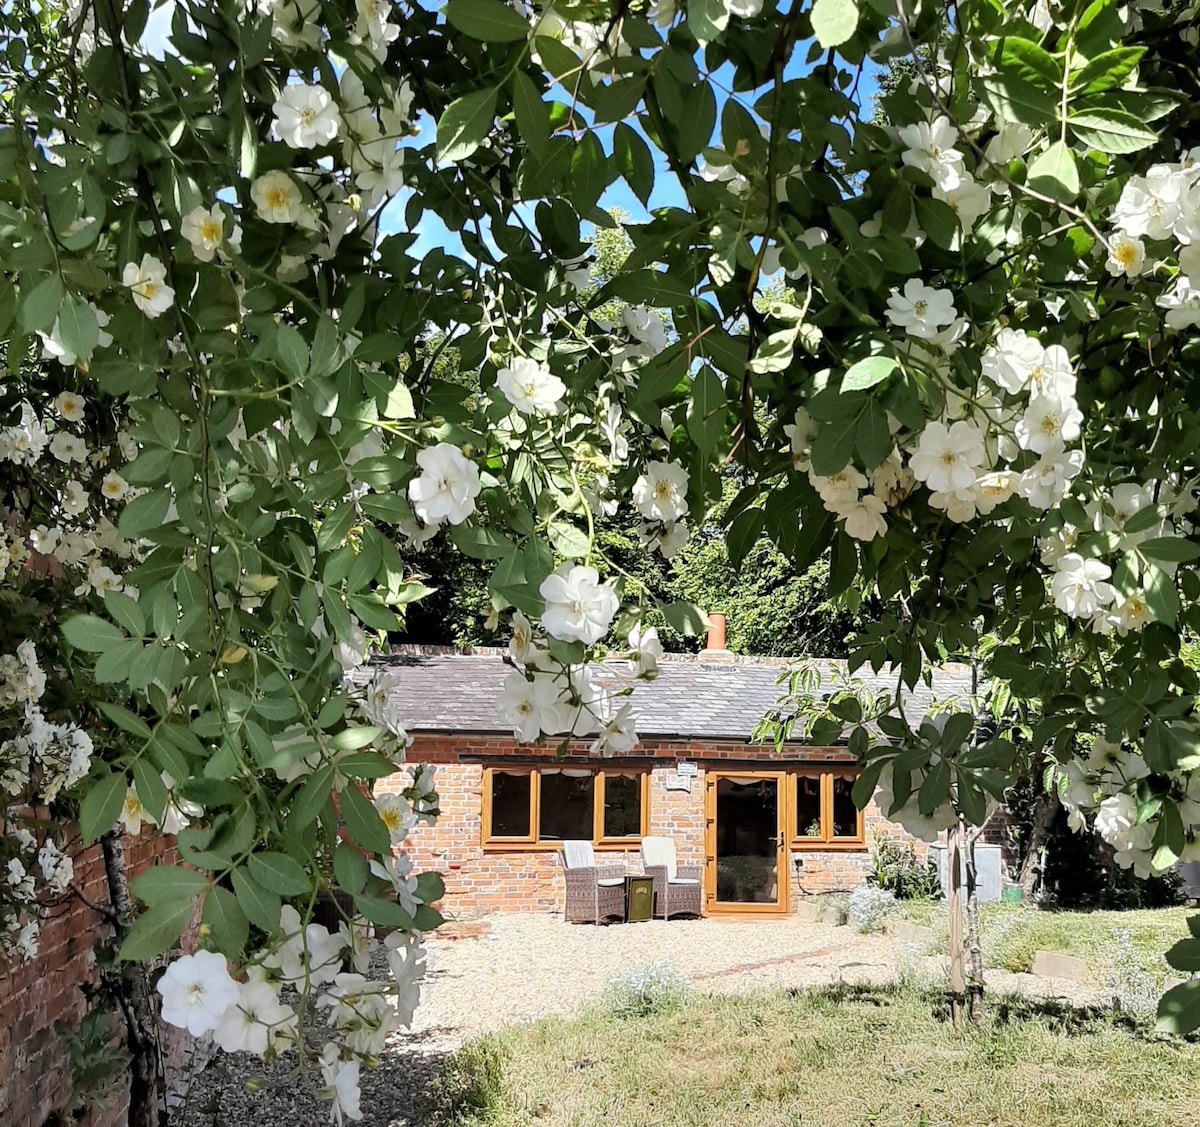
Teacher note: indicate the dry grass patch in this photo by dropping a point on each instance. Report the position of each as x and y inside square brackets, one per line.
[875, 1057]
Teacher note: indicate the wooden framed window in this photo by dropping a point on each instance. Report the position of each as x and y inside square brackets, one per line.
[823, 812]
[539, 807]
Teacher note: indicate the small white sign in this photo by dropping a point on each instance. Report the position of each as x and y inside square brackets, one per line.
[688, 769]
[678, 782]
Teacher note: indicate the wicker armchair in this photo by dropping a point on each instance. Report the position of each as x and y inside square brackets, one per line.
[677, 888]
[594, 892]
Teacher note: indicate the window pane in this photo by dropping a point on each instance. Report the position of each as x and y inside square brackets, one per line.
[808, 806]
[622, 806]
[510, 804]
[566, 807]
[845, 813]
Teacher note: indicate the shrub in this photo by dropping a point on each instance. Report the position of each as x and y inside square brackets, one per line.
[867, 907]
[897, 869]
[644, 991]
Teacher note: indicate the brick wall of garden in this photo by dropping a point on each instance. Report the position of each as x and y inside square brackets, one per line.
[480, 881]
[35, 1075]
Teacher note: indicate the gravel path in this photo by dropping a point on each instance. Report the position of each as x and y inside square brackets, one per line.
[518, 968]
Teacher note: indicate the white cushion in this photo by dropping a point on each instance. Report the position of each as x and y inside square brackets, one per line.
[659, 851]
[611, 881]
[679, 880]
[578, 855]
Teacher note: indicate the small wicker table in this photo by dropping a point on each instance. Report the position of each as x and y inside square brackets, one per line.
[639, 899]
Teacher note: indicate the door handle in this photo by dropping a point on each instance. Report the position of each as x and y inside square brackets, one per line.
[779, 844]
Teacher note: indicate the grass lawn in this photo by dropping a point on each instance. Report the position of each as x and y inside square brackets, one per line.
[1011, 933]
[841, 1057]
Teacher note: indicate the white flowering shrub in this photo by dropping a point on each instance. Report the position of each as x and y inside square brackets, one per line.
[239, 255]
[868, 907]
[647, 990]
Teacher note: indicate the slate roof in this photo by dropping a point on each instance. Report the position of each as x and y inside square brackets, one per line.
[710, 696]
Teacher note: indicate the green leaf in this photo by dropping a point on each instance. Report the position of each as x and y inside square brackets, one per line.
[869, 372]
[1107, 71]
[1179, 1008]
[465, 123]
[40, 306]
[684, 617]
[489, 21]
[311, 798]
[226, 920]
[649, 287]
[144, 514]
[1169, 549]
[834, 21]
[430, 887]
[157, 930]
[78, 328]
[1185, 956]
[383, 912]
[743, 533]
[277, 872]
[706, 19]
[124, 719]
[587, 172]
[1026, 61]
[634, 161]
[873, 437]
[958, 729]
[260, 906]
[532, 113]
[935, 788]
[91, 634]
[1112, 131]
[364, 823]
[994, 753]
[481, 543]
[101, 806]
[1055, 173]
[1015, 100]
[160, 883]
[350, 867]
[706, 412]
[864, 786]
[833, 445]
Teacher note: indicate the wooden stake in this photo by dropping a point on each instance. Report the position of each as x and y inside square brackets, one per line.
[958, 984]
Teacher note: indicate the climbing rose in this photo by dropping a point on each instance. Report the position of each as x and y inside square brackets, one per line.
[196, 990]
[921, 310]
[949, 458]
[660, 493]
[147, 282]
[277, 197]
[305, 117]
[530, 387]
[579, 608]
[447, 488]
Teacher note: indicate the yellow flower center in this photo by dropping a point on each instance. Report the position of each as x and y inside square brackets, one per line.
[662, 490]
[390, 817]
[1125, 254]
[919, 308]
[276, 198]
[210, 231]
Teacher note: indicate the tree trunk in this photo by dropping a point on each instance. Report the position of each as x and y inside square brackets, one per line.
[1044, 809]
[133, 993]
[974, 948]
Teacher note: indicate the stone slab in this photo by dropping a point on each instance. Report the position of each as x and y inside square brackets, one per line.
[1053, 964]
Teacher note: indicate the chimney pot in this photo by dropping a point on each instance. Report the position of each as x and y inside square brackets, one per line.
[716, 633]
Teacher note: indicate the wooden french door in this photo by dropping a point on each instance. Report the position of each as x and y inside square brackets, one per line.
[745, 843]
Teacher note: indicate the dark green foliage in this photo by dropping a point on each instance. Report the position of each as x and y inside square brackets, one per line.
[896, 869]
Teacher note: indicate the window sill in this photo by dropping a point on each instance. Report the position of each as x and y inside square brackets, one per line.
[501, 845]
[804, 845]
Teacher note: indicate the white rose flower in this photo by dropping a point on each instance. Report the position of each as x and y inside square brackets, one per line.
[1132, 613]
[114, 487]
[1049, 423]
[1116, 818]
[579, 608]
[839, 489]
[133, 813]
[147, 283]
[921, 310]
[800, 434]
[672, 539]
[70, 406]
[196, 991]
[382, 706]
[1126, 255]
[992, 489]
[949, 459]
[661, 492]
[74, 499]
[305, 116]
[530, 387]
[310, 950]
[447, 487]
[1045, 484]
[204, 228]
[531, 706]
[1079, 588]
[1009, 362]
[930, 148]
[67, 448]
[647, 649]
[277, 197]
[396, 814]
[341, 1080]
[864, 518]
[617, 734]
[255, 1022]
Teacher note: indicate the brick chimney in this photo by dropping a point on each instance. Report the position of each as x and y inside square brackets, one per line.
[716, 634]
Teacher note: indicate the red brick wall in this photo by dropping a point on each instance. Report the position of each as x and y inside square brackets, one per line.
[34, 1069]
[480, 881]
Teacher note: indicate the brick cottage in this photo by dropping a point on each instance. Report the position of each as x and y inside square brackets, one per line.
[769, 827]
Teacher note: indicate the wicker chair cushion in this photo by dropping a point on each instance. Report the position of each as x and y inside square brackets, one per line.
[659, 851]
[678, 880]
[609, 882]
[578, 855]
